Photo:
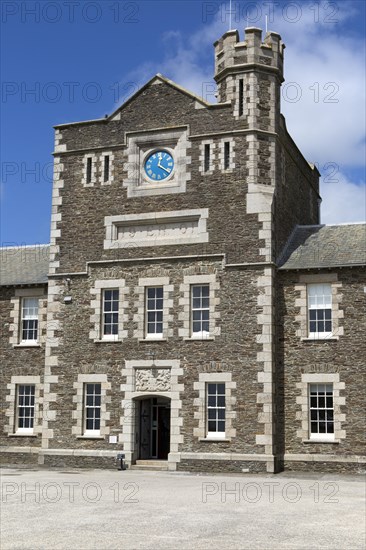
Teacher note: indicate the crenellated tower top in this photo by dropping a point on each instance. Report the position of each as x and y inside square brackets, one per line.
[241, 65]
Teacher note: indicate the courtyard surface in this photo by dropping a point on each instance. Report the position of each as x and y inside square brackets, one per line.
[87, 509]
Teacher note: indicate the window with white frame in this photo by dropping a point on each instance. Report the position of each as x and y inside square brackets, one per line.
[154, 312]
[110, 313]
[200, 311]
[216, 408]
[319, 310]
[25, 408]
[92, 407]
[321, 410]
[29, 324]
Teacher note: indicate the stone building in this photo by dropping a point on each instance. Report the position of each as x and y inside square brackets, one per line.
[190, 308]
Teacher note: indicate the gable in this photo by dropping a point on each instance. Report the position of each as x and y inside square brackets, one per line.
[163, 91]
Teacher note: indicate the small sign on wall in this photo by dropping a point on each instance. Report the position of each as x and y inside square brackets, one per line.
[112, 439]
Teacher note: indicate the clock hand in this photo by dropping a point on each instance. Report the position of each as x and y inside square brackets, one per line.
[165, 169]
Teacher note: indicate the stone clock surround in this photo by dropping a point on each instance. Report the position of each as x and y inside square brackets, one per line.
[175, 141]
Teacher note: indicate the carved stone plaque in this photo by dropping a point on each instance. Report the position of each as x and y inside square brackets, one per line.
[152, 380]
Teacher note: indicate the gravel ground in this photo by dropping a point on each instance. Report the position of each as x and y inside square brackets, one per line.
[87, 509]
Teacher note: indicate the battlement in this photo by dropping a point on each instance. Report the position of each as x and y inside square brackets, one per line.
[232, 56]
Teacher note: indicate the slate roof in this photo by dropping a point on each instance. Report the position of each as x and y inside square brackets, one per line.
[317, 246]
[24, 265]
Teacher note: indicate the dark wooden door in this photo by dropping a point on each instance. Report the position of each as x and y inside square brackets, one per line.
[163, 432]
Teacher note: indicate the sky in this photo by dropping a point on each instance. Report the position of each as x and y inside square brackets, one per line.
[73, 60]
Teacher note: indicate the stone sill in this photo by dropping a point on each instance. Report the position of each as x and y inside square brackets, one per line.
[214, 439]
[325, 339]
[322, 441]
[27, 346]
[149, 340]
[210, 339]
[22, 435]
[90, 437]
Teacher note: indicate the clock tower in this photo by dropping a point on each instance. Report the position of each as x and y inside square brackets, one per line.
[168, 216]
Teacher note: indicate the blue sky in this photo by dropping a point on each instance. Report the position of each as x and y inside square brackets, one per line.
[65, 61]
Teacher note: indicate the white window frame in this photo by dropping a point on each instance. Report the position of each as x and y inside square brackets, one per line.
[18, 406]
[319, 298]
[78, 414]
[86, 408]
[185, 314]
[25, 318]
[215, 434]
[200, 405]
[96, 306]
[11, 412]
[155, 311]
[105, 312]
[139, 317]
[316, 436]
[303, 401]
[202, 334]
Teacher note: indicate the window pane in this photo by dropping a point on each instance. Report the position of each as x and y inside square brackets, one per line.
[196, 291]
[221, 414]
[196, 327]
[221, 401]
[205, 303]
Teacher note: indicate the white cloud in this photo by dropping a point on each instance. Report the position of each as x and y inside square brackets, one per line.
[343, 201]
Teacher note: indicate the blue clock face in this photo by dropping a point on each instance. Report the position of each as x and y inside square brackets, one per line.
[159, 165]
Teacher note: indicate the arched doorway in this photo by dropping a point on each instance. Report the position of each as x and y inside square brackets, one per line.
[153, 428]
